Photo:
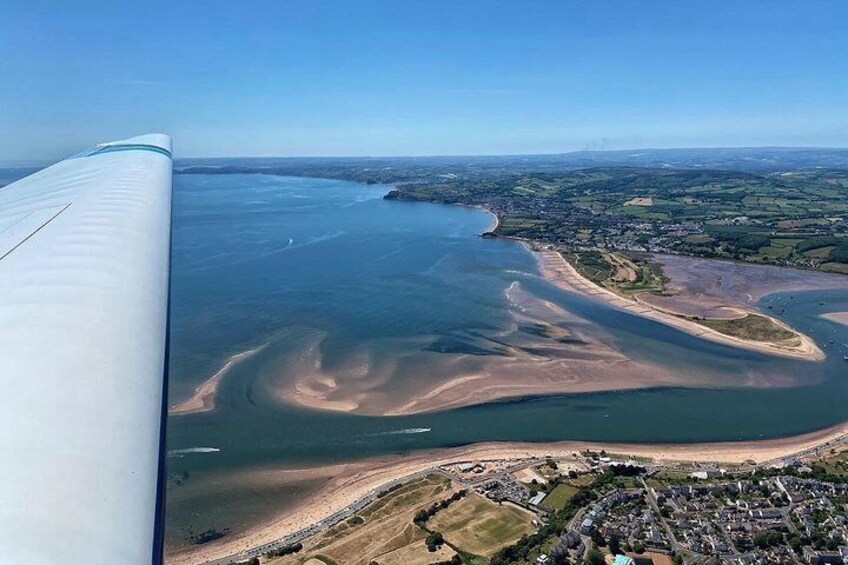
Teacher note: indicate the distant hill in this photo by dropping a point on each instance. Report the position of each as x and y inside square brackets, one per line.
[752, 159]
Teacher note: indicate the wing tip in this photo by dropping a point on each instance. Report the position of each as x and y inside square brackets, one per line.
[161, 140]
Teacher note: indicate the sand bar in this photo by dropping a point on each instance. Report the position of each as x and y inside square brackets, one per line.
[203, 399]
[838, 317]
[556, 269]
[566, 358]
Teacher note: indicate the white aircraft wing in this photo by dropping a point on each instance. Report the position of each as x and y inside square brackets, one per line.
[84, 268]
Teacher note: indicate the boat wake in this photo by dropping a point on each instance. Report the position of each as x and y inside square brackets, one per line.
[181, 452]
[404, 432]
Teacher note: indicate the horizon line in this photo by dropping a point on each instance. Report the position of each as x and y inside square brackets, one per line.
[572, 152]
[27, 163]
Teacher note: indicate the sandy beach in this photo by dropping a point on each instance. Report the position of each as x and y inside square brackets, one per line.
[496, 221]
[347, 483]
[560, 272]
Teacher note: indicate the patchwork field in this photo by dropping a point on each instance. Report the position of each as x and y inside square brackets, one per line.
[796, 219]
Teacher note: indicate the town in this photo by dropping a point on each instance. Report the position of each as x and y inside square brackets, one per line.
[594, 508]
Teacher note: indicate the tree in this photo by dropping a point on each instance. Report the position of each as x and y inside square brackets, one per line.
[434, 541]
[614, 544]
[598, 539]
[768, 539]
[594, 557]
[639, 548]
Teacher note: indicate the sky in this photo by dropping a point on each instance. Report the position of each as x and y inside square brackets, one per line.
[409, 77]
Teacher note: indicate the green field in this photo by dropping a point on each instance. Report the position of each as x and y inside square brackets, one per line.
[560, 496]
[752, 326]
[836, 465]
[619, 273]
[841, 268]
[481, 527]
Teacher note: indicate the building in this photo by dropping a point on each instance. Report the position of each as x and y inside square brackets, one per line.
[543, 560]
[570, 540]
[538, 498]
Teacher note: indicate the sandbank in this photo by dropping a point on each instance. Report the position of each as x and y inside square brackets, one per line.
[203, 399]
[557, 270]
[838, 317]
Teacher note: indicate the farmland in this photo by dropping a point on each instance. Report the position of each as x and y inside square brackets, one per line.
[790, 219]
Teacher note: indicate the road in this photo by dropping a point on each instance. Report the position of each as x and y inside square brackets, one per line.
[352, 509]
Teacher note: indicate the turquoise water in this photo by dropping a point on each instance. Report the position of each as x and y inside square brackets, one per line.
[396, 288]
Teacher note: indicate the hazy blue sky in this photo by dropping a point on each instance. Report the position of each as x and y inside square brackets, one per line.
[357, 77]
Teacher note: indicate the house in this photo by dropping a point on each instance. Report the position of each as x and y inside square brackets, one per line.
[829, 558]
[570, 539]
[543, 560]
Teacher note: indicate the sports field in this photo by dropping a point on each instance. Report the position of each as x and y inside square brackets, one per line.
[481, 527]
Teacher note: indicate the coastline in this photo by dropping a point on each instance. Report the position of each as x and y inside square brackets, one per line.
[348, 484]
[496, 221]
[557, 270]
